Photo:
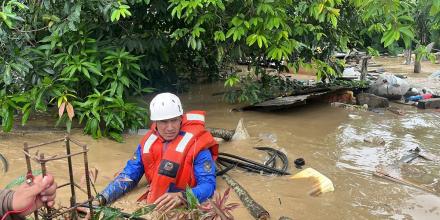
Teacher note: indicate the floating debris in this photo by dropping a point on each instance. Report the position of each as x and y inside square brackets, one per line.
[240, 132]
[374, 140]
[396, 110]
[5, 164]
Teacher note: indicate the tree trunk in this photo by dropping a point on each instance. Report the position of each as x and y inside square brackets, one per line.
[255, 209]
[417, 65]
[407, 54]
[364, 69]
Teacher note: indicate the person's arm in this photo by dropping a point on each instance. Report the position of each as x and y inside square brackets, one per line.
[204, 171]
[126, 180]
[6, 197]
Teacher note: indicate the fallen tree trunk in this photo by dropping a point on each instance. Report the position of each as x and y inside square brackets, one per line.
[255, 209]
[226, 134]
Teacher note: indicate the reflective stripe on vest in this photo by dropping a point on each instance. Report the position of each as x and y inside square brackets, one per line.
[182, 144]
[195, 117]
[149, 143]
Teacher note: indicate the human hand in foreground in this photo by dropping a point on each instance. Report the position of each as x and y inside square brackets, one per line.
[30, 197]
[169, 201]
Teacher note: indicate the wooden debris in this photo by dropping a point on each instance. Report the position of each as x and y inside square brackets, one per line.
[396, 110]
[4, 162]
[424, 155]
[383, 174]
[283, 102]
[402, 102]
[255, 209]
[348, 106]
[375, 140]
[225, 134]
[408, 158]
[373, 101]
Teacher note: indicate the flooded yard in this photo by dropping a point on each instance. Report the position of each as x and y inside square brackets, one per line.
[331, 140]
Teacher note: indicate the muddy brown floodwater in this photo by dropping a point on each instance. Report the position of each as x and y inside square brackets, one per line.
[331, 140]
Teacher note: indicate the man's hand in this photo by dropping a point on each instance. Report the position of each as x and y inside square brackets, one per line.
[168, 201]
[35, 194]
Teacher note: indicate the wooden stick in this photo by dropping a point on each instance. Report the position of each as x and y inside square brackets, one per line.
[46, 143]
[255, 209]
[387, 176]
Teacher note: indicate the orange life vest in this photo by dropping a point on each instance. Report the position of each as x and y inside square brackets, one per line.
[175, 164]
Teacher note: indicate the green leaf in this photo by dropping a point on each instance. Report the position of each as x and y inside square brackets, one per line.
[25, 117]
[125, 81]
[407, 41]
[8, 120]
[94, 126]
[260, 41]
[236, 21]
[116, 136]
[86, 72]
[219, 36]
[191, 199]
[68, 126]
[39, 104]
[406, 18]
[230, 32]
[407, 31]
[113, 87]
[115, 15]
[7, 21]
[192, 42]
[7, 78]
[334, 21]
[143, 211]
[251, 39]
[388, 38]
[120, 90]
[18, 4]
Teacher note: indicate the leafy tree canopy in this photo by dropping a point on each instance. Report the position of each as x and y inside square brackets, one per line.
[88, 57]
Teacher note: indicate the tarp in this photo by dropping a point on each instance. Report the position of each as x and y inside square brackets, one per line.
[389, 86]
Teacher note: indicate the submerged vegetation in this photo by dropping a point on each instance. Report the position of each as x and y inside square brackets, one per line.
[85, 59]
[216, 207]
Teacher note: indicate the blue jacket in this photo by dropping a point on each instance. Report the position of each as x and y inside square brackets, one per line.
[134, 170]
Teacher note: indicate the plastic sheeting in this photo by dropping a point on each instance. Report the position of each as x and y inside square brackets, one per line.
[389, 86]
[351, 73]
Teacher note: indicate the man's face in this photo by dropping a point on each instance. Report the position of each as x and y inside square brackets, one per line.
[169, 129]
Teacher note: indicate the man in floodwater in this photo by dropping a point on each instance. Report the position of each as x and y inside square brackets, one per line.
[176, 153]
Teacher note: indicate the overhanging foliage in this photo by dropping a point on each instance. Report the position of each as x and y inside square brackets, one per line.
[87, 57]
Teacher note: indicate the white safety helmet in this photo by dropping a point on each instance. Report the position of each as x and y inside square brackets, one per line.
[165, 106]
